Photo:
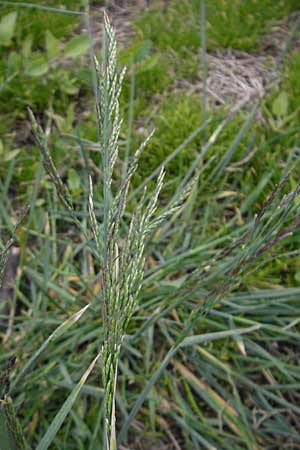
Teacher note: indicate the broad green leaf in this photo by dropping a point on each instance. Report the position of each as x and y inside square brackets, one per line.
[73, 180]
[37, 67]
[11, 155]
[77, 47]
[52, 46]
[280, 104]
[64, 410]
[56, 334]
[7, 28]
[27, 46]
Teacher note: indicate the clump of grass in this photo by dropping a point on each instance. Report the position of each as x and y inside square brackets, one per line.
[235, 24]
[122, 262]
[11, 435]
[121, 257]
[120, 242]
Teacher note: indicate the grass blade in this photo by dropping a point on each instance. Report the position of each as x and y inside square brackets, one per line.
[65, 409]
[56, 333]
[11, 436]
[43, 7]
[200, 339]
[191, 340]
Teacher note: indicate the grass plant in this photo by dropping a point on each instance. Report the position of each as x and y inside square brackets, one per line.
[121, 257]
[121, 263]
[190, 305]
[11, 434]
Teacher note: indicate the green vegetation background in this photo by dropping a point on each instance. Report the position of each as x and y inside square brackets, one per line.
[230, 394]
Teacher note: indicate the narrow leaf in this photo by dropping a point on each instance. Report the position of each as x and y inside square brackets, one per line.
[191, 340]
[56, 334]
[200, 339]
[11, 435]
[64, 410]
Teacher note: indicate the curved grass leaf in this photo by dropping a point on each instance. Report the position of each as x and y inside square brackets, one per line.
[43, 7]
[56, 333]
[64, 410]
[190, 340]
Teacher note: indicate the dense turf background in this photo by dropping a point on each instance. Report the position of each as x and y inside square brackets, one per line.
[240, 393]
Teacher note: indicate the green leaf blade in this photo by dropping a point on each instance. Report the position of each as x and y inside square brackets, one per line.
[77, 47]
[56, 333]
[37, 67]
[52, 46]
[7, 28]
[64, 410]
[280, 105]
